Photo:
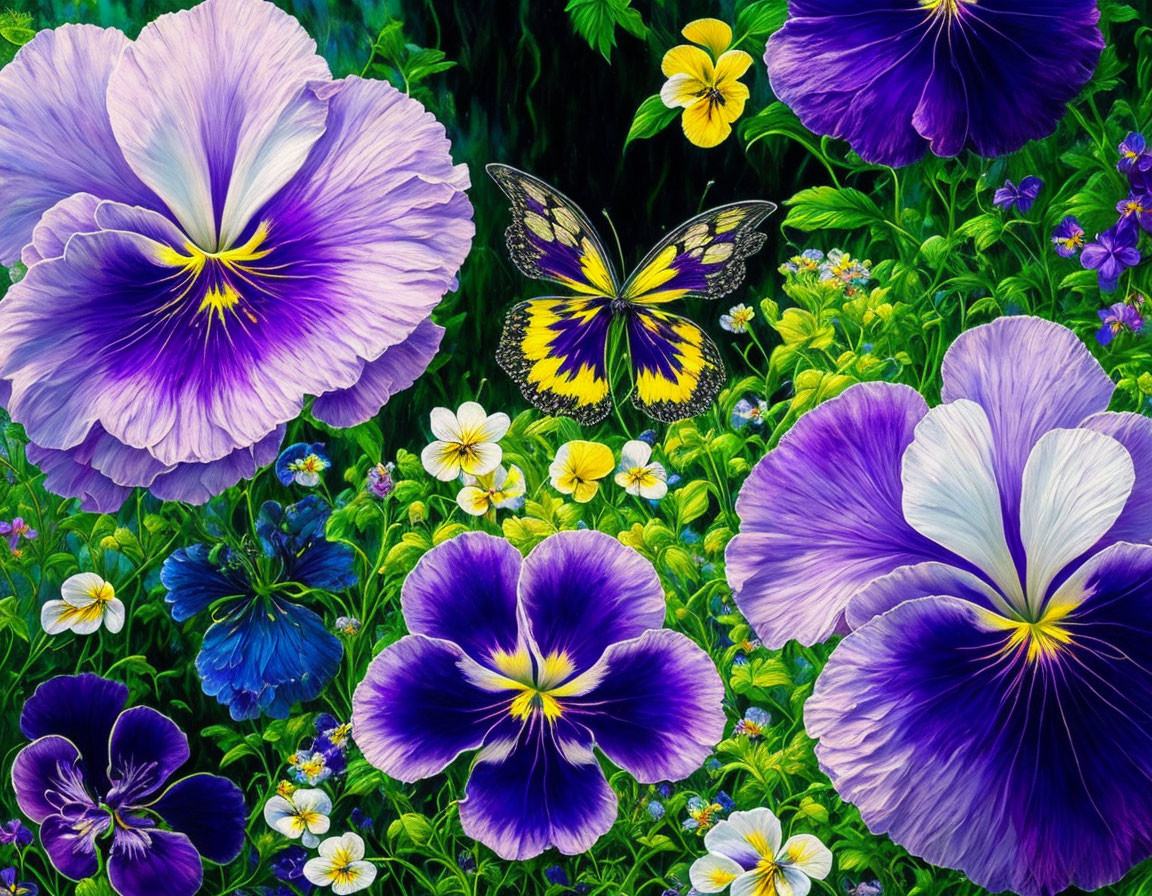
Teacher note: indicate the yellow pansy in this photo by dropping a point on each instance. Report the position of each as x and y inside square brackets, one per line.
[706, 83]
[578, 468]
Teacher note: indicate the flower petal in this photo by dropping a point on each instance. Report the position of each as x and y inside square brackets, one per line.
[218, 835]
[540, 790]
[732, 65]
[483, 459]
[681, 91]
[72, 854]
[713, 34]
[1024, 795]
[821, 515]
[748, 837]
[1134, 432]
[705, 125]
[80, 590]
[57, 139]
[114, 615]
[464, 591]
[656, 710]
[582, 591]
[713, 873]
[73, 214]
[808, 855]
[145, 748]
[169, 865]
[688, 60]
[212, 127]
[415, 711]
[950, 493]
[194, 583]
[922, 580]
[1076, 483]
[34, 773]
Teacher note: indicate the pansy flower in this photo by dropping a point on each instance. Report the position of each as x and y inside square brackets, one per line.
[745, 852]
[738, 319]
[749, 412]
[535, 662]
[990, 558]
[16, 530]
[578, 468]
[263, 652]
[705, 83]
[341, 865]
[702, 814]
[466, 442]
[11, 885]
[895, 77]
[1111, 254]
[302, 463]
[1019, 197]
[380, 483]
[348, 626]
[1134, 154]
[502, 489]
[302, 814]
[96, 774]
[754, 723]
[1068, 237]
[1135, 212]
[638, 474]
[1116, 319]
[14, 833]
[86, 603]
[239, 236]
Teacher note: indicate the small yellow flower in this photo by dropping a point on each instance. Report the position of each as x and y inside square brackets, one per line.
[706, 84]
[502, 488]
[578, 468]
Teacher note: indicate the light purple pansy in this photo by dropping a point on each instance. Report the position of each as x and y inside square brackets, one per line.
[211, 235]
[897, 77]
[991, 708]
[534, 662]
[97, 773]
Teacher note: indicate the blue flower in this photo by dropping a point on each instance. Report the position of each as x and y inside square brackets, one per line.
[1134, 155]
[556, 875]
[263, 652]
[1019, 197]
[359, 820]
[288, 866]
[302, 463]
[655, 809]
[466, 861]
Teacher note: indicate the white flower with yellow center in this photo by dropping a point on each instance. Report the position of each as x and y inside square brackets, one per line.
[87, 603]
[501, 489]
[638, 474]
[340, 866]
[744, 851]
[302, 813]
[738, 319]
[465, 442]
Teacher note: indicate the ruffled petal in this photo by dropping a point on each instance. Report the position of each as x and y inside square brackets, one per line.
[1026, 794]
[582, 591]
[212, 127]
[537, 789]
[1134, 432]
[415, 711]
[821, 517]
[74, 214]
[218, 835]
[657, 709]
[194, 583]
[922, 580]
[57, 139]
[167, 863]
[464, 591]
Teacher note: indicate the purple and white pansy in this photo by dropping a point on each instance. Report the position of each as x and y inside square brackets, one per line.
[534, 662]
[989, 560]
[211, 235]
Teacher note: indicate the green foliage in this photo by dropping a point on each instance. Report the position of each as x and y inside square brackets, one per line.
[597, 20]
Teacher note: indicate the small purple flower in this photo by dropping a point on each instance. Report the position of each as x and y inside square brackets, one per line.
[1068, 237]
[358, 819]
[649, 436]
[725, 802]
[754, 723]
[14, 833]
[1116, 319]
[1021, 196]
[348, 626]
[466, 861]
[16, 530]
[1135, 212]
[1112, 253]
[10, 885]
[864, 888]
[535, 661]
[554, 874]
[749, 412]
[1134, 155]
[380, 481]
[96, 772]
[309, 767]
[288, 866]
[302, 463]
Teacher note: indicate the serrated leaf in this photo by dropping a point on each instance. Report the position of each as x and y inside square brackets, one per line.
[831, 208]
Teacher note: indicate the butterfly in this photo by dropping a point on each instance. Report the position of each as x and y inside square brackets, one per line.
[556, 347]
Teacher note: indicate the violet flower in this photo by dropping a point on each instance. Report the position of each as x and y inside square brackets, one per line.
[240, 235]
[16, 530]
[895, 77]
[534, 662]
[1135, 212]
[1112, 253]
[1068, 237]
[1134, 154]
[1116, 319]
[991, 707]
[1021, 197]
[96, 772]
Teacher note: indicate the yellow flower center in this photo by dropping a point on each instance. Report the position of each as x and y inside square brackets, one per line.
[343, 871]
[1039, 639]
[537, 690]
[221, 267]
[947, 8]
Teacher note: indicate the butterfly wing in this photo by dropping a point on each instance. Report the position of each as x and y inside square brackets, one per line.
[554, 348]
[676, 367]
[550, 238]
[703, 257]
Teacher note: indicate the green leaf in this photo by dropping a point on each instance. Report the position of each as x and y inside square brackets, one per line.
[983, 230]
[596, 21]
[829, 208]
[760, 19]
[650, 119]
[775, 118]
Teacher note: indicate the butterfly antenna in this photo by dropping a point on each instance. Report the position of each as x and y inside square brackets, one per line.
[708, 186]
[615, 236]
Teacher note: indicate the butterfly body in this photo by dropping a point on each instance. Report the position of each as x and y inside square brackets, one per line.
[555, 347]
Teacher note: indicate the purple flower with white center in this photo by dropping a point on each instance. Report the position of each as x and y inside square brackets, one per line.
[990, 558]
[16, 530]
[98, 772]
[1112, 253]
[11, 885]
[895, 77]
[1135, 212]
[1068, 237]
[1134, 155]
[303, 464]
[239, 235]
[1116, 319]
[13, 833]
[535, 661]
[749, 412]
[1019, 197]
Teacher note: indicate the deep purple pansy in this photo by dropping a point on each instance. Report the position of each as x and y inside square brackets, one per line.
[1021, 197]
[1135, 212]
[1116, 319]
[534, 662]
[991, 708]
[1134, 155]
[209, 244]
[1068, 237]
[1111, 254]
[895, 77]
[97, 773]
